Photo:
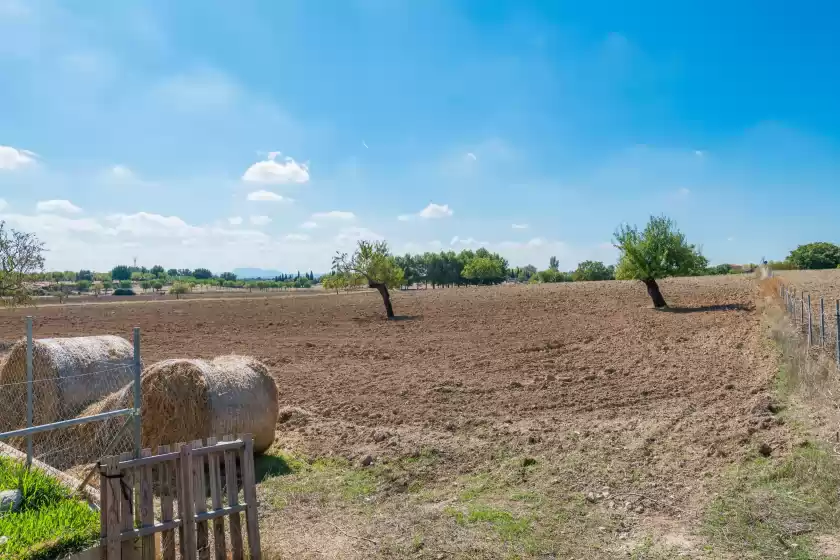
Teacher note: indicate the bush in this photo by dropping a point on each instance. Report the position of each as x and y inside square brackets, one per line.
[815, 256]
[83, 286]
[123, 292]
[125, 284]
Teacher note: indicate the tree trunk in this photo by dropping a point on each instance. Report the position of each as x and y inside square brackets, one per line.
[386, 298]
[654, 293]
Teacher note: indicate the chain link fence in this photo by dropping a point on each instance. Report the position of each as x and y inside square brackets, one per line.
[56, 398]
[815, 317]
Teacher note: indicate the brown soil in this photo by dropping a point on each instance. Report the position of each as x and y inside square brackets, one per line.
[648, 402]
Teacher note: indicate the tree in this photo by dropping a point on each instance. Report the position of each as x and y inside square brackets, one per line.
[659, 251]
[373, 261]
[85, 275]
[146, 285]
[107, 285]
[179, 288]
[201, 274]
[593, 270]
[125, 284]
[228, 276]
[553, 264]
[484, 270]
[157, 285]
[83, 286]
[21, 254]
[173, 272]
[815, 256]
[121, 272]
[157, 270]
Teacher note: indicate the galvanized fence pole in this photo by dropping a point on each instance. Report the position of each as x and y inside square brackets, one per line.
[810, 329]
[822, 323]
[137, 442]
[30, 404]
[802, 310]
[837, 328]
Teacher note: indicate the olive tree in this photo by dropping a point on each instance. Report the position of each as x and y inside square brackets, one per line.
[658, 251]
[374, 262]
[21, 254]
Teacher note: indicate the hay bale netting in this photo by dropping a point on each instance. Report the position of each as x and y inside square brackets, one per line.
[184, 400]
[69, 373]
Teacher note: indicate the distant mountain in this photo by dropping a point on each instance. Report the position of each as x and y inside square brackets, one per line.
[246, 273]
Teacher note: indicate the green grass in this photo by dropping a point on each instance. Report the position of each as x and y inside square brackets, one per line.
[50, 522]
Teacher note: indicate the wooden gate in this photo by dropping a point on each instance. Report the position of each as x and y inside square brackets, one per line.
[173, 486]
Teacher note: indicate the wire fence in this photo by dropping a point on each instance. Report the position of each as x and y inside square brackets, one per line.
[817, 319]
[68, 402]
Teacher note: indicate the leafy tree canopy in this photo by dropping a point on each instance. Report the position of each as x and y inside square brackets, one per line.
[121, 272]
[593, 270]
[202, 274]
[815, 256]
[658, 251]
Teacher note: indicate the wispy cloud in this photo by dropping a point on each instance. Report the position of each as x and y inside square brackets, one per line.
[267, 196]
[235, 220]
[519, 226]
[296, 237]
[260, 220]
[57, 206]
[13, 158]
[309, 225]
[334, 215]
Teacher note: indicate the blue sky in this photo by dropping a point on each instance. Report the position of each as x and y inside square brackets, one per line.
[272, 134]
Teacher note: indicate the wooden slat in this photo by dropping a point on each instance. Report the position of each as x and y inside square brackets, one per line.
[178, 486]
[185, 504]
[232, 488]
[167, 512]
[127, 499]
[216, 500]
[147, 507]
[219, 513]
[250, 488]
[143, 461]
[103, 510]
[200, 500]
[114, 508]
[218, 447]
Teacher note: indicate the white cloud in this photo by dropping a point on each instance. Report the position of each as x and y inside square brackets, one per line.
[145, 224]
[699, 153]
[334, 215]
[519, 226]
[13, 158]
[267, 196]
[730, 239]
[471, 156]
[309, 225]
[260, 220]
[235, 220]
[405, 217]
[121, 172]
[353, 234]
[46, 224]
[271, 171]
[436, 211]
[468, 242]
[3, 204]
[296, 237]
[57, 206]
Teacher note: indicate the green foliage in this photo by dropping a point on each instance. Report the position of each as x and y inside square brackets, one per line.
[125, 284]
[179, 288]
[83, 286]
[146, 285]
[658, 251]
[157, 271]
[817, 255]
[550, 276]
[121, 272]
[484, 270]
[124, 292]
[157, 285]
[593, 270]
[21, 254]
[373, 261]
[50, 523]
[554, 264]
[228, 276]
[782, 265]
[85, 275]
[719, 269]
[107, 284]
[172, 272]
[201, 274]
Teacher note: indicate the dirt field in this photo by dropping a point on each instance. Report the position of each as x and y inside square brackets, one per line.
[557, 421]
[825, 283]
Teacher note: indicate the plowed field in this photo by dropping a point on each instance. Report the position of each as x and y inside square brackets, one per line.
[585, 379]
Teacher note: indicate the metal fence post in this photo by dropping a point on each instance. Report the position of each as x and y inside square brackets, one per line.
[802, 310]
[137, 442]
[30, 404]
[810, 329]
[822, 323]
[837, 328]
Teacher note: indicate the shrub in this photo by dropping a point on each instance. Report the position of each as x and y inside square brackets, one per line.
[123, 292]
[815, 256]
[125, 284]
[179, 288]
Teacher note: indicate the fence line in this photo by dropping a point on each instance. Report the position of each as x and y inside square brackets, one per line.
[795, 306]
[31, 429]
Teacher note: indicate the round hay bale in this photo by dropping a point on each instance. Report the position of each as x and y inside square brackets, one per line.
[184, 400]
[68, 374]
